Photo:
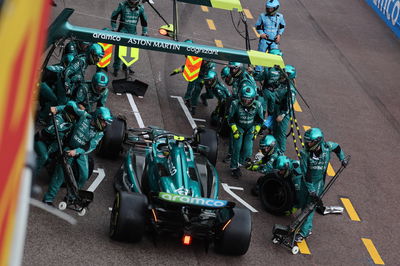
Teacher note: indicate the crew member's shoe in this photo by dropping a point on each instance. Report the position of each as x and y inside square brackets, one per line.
[227, 159]
[204, 99]
[236, 173]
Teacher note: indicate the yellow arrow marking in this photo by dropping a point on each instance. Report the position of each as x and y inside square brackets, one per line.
[265, 59]
[304, 247]
[306, 128]
[218, 43]
[297, 107]
[350, 209]
[204, 8]
[123, 51]
[247, 13]
[211, 24]
[255, 31]
[330, 170]
[372, 251]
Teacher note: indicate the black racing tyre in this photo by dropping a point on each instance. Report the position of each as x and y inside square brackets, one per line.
[128, 217]
[224, 129]
[208, 137]
[277, 194]
[111, 144]
[235, 239]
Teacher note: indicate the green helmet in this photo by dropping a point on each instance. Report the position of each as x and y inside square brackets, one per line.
[313, 138]
[282, 164]
[133, 3]
[99, 82]
[189, 41]
[94, 53]
[267, 145]
[276, 52]
[291, 71]
[67, 59]
[102, 118]
[225, 72]
[235, 68]
[273, 76]
[210, 79]
[70, 111]
[247, 95]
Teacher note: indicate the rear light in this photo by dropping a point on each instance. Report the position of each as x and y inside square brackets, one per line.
[187, 240]
[227, 223]
[154, 215]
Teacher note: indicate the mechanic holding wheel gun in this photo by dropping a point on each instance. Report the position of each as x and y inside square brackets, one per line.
[314, 164]
[85, 137]
[130, 12]
[245, 119]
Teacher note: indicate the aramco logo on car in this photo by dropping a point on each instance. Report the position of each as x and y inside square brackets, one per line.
[190, 200]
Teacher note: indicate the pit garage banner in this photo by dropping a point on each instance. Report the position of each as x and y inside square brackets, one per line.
[22, 35]
[388, 11]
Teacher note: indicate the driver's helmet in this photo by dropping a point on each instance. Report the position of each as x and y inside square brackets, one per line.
[66, 59]
[94, 53]
[276, 52]
[102, 118]
[247, 95]
[133, 3]
[273, 76]
[70, 112]
[210, 79]
[236, 68]
[271, 7]
[99, 83]
[267, 145]
[282, 164]
[291, 71]
[313, 138]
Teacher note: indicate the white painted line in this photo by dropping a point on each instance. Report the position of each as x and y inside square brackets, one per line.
[227, 188]
[110, 209]
[186, 111]
[199, 119]
[119, 94]
[135, 110]
[52, 210]
[99, 178]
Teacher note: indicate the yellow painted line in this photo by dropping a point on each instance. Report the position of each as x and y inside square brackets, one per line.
[247, 13]
[204, 8]
[330, 170]
[350, 209]
[255, 31]
[297, 107]
[304, 247]
[211, 24]
[372, 251]
[306, 128]
[218, 43]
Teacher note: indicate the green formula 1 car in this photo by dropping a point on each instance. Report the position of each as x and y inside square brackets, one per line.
[168, 183]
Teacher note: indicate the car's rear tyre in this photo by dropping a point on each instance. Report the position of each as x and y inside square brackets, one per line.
[111, 144]
[235, 239]
[208, 137]
[277, 194]
[128, 217]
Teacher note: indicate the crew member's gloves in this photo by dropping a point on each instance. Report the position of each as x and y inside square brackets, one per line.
[176, 71]
[314, 197]
[236, 132]
[345, 162]
[257, 129]
[279, 118]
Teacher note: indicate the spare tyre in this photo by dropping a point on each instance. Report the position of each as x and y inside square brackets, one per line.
[111, 143]
[277, 194]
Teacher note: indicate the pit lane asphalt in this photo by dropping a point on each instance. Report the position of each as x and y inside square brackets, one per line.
[347, 62]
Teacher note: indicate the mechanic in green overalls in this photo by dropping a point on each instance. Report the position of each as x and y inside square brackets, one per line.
[90, 93]
[85, 136]
[75, 72]
[240, 78]
[314, 162]
[245, 119]
[130, 12]
[215, 87]
[264, 163]
[46, 143]
[76, 47]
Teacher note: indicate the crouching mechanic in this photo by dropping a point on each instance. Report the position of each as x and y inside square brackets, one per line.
[46, 143]
[314, 164]
[85, 137]
[264, 162]
[245, 119]
[90, 93]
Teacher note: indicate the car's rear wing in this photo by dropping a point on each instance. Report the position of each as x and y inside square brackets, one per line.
[193, 201]
[61, 28]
